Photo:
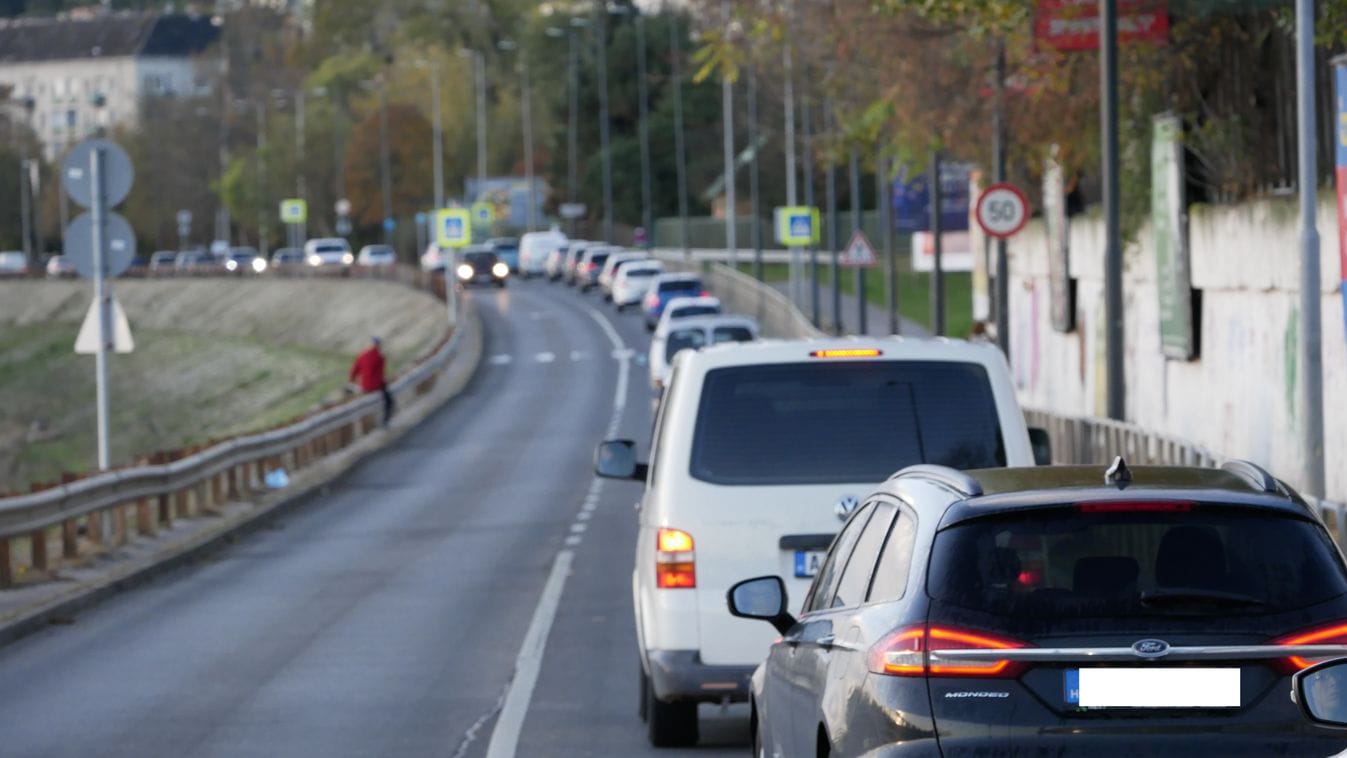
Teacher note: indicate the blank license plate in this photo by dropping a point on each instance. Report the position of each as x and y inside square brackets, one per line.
[1153, 687]
[808, 562]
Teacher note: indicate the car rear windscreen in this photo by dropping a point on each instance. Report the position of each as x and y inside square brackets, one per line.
[1115, 560]
[842, 421]
[731, 334]
[633, 273]
[688, 311]
[683, 339]
[681, 285]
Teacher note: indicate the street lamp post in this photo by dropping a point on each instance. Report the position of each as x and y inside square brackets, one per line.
[605, 155]
[385, 161]
[680, 153]
[437, 133]
[642, 88]
[526, 116]
[479, 80]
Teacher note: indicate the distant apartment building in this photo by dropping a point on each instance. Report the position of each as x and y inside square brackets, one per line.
[70, 76]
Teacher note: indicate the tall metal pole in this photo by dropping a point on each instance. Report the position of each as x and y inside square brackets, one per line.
[855, 176]
[1113, 302]
[572, 139]
[727, 129]
[1002, 298]
[807, 150]
[301, 186]
[436, 133]
[263, 232]
[643, 94]
[788, 98]
[938, 265]
[98, 215]
[385, 163]
[830, 191]
[1311, 329]
[25, 202]
[886, 237]
[755, 225]
[680, 153]
[479, 69]
[605, 154]
[526, 109]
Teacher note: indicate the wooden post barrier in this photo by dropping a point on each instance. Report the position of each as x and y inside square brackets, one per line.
[40, 559]
[6, 564]
[70, 532]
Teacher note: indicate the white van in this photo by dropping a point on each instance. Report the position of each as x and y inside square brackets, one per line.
[760, 451]
[533, 250]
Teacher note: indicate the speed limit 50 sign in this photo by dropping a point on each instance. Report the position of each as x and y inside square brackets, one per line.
[1002, 210]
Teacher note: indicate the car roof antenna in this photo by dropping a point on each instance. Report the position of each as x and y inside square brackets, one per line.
[1118, 473]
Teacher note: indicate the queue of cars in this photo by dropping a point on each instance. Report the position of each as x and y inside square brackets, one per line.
[954, 596]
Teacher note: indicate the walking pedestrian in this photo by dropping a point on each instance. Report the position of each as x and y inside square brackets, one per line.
[368, 372]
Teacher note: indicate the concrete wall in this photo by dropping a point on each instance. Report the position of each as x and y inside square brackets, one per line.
[1239, 396]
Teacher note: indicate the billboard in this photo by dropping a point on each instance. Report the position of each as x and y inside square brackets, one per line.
[912, 199]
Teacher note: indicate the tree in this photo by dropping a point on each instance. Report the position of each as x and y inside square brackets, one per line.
[409, 136]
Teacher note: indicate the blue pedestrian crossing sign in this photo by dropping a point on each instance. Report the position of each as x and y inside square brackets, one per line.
[797, 225]
[483, 214]
[453, 227]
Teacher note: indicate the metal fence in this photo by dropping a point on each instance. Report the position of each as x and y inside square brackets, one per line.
[106, 510]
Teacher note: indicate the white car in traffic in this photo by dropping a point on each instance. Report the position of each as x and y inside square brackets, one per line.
[328, 252]
[633, 281]
[697, 332]
[678, 308]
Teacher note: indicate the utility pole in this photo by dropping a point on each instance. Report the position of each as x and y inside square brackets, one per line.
[263, 233]
[680, 154]
[830, 190]
[526, 110]
[437, 134]
[755, 227]
[727, 127]
[385, 161]
[1002, 298]
[572, 139]
[301, 187]
[938, 265]
[1113, 302]
[788, 98]
[807, 150]
[605, 154]
[855, 176]
[886, 234]
[1310, 347]
[643, 94]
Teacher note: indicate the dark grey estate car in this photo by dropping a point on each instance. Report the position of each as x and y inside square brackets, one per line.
[1063, 611]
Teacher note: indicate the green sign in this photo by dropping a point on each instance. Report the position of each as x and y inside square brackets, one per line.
[1169, 227]
[453, 227]
[483, 214]
[294, 211]
[797, 225]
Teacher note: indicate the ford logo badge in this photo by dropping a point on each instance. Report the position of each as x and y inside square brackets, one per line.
[845, 505]
[1150, 648]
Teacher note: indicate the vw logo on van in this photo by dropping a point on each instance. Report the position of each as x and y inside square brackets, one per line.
[1150, 648]
[845, 505]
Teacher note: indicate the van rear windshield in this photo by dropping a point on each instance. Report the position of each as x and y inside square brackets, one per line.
[842, 421]
[1191, 559]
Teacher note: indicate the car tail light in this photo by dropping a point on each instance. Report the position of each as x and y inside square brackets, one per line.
[907, 652]
[1334, 633]
[652, 300]
[705, 293]
[868, 352]
[675, 561]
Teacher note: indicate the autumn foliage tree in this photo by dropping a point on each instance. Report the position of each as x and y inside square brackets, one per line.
[411, 175]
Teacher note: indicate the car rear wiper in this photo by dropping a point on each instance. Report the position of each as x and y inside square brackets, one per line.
[1180, 596]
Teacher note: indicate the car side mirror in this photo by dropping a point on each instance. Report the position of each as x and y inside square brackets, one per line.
[1041, 444]
[762, 598]
[616, 459]
[1321, 693]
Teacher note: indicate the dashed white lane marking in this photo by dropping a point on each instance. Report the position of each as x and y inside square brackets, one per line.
[545, 357]
[528, 664]
[500, 360]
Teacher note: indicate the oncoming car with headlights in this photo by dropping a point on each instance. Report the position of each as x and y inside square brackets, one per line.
[244, 260]
[1073, 611]
[328, 252]
[479, 264]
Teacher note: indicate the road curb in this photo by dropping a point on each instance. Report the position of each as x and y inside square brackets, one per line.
[55, 602]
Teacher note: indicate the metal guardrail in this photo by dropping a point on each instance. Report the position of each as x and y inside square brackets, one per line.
[741, 293]
[155, 495]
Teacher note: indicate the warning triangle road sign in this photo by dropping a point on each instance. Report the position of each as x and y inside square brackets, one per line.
[87, 341]
[858, 252]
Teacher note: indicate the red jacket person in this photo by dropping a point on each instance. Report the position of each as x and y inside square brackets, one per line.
[368, 372]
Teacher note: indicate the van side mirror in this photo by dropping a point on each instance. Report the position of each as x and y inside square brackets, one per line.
[616, 459]
[1041, 444]
[1321, 693]
[763, 598]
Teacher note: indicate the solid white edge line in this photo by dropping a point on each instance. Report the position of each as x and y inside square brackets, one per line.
[510, 724]
[528, 664]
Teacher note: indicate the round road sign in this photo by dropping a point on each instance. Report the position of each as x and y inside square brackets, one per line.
[119, 245]
[117, 173]
[1002, 210]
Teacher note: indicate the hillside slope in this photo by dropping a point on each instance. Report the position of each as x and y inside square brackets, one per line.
[213, 357]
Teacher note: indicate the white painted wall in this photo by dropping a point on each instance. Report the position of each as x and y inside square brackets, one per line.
[1239, 397]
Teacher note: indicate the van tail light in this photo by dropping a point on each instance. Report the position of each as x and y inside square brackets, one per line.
[675, 561]
[1333, 633]
[907, 652]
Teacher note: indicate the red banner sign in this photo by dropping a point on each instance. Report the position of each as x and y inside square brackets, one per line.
[1074, 24]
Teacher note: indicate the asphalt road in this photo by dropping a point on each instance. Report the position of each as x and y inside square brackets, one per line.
[386, 616]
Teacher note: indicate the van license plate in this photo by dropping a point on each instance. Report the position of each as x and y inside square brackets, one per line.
[808, 562]
[1152, 687]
